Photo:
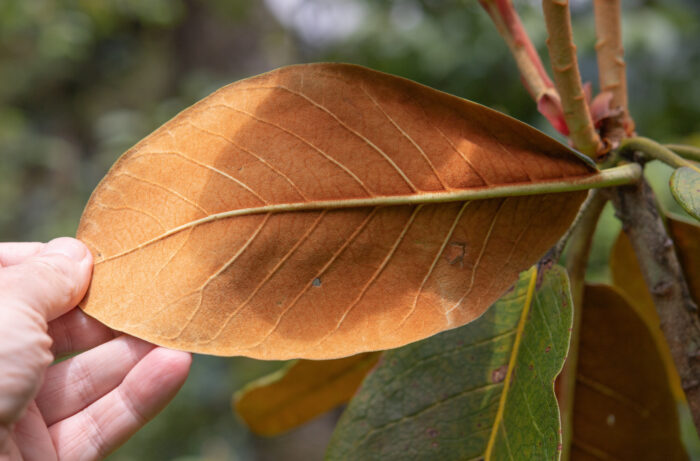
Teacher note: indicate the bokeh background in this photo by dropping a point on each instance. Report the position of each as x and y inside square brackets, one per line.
[81, 81]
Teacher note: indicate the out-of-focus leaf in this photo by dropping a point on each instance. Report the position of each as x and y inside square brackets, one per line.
[685, 187]
[624, 407]
[627, 278]
[484, 391]
[305, 389]
[686, 237]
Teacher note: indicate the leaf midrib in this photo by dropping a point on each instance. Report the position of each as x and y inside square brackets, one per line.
[612, 177]
[511, 366]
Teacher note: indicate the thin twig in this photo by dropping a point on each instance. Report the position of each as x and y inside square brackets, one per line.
[576, 262]
[535, 77]
[556, 252]
[611, 57]
[562, 53]
[653, 150]
[687, 152]
[637, 209]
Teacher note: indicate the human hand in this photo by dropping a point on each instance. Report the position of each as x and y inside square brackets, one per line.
[86, 406]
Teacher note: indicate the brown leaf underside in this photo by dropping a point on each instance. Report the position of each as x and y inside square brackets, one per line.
[322, 283]
[624, 405]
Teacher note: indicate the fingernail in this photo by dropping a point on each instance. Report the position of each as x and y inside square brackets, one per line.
[68, 247]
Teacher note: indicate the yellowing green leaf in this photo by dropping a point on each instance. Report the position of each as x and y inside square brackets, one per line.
[624, 407]
[685, 187]
[296, 394]
[483, 391]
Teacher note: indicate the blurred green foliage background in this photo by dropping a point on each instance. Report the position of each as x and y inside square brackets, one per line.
[82, 81]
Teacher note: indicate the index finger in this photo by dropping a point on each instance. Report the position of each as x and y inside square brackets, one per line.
[75, 331]
[12, 253]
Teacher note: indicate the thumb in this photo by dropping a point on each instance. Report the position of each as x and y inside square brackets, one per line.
[52, 282]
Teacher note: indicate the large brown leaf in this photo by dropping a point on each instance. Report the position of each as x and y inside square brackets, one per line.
[249, 224]
[624, 407]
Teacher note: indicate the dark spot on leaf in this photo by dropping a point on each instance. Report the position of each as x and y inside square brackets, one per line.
[610, 420]
[499, 374]
[531, 366]
[454, 253]
[541, 271]
[559, 447]
[316, 282]
[432, 433]
[548, 348]
[434, 444]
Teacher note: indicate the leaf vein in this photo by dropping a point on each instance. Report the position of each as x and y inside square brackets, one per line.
[408, 137]
[205, 166]
[200, 290]
[346, 127]
[439, 252]
[478, 260]
[462, 155]
[613, 394]
[129, 208]
[165, 188]
[305, 141]
[330, 261]
[274, 270]
[374, 276]
[252, 154]
[438, 403]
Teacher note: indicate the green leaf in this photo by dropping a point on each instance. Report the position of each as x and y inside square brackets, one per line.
[481, 391]
[685, 187]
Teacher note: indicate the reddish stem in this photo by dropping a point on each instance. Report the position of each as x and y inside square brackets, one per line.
[534, 76]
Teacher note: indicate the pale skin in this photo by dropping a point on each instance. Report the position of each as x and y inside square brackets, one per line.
[84, 407]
